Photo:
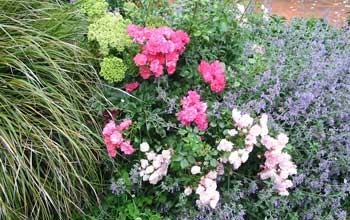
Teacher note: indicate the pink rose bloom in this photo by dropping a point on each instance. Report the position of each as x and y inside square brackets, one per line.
[214, 75]
[127, 148]
[171, 69]
[109, 128]
[140, 59]
[124, 125]
[201, 122]
[112, 152]
[116, 138]
[160, 46]
[145, 72]
[156, 68]
[132, 86]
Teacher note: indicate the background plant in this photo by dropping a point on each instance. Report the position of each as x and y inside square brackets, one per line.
[48, 136]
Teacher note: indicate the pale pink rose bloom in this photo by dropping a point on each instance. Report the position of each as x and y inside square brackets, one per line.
[195, 170]
[212, 175]
[282, 139]
[215, 196]
[154, 178]
[232, 132]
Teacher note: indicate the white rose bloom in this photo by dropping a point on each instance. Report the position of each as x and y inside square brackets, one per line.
[144, 163]
[142, 173]
[225, 145]
[244, 156]
[166, 154]
[233, 157]
[232, 132]
[237, 164]
[156, 164]
[188, 191]
[200, 189]
[145, 177]
[195, 170]
[149, 170]
[236, 115]
[150, 155]
[241, 8]
[144, 147]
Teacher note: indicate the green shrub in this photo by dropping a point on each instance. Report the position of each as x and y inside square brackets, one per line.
[49, 146]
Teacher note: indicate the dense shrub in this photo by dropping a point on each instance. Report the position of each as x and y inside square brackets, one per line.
[49, 144]
[297, 73]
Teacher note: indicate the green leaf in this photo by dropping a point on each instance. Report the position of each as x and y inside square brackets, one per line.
[184, 163]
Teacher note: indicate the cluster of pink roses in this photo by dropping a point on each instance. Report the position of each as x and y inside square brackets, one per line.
[193, 110]
[278, 165]
[160, 46]
[214, 75]
[113, 138]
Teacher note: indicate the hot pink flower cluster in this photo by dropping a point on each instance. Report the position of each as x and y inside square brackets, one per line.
[160, 46]
[113, 138]
[193, 110]
[214, 75]
[278, 165]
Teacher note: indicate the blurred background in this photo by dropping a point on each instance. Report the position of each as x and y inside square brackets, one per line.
[335, 11]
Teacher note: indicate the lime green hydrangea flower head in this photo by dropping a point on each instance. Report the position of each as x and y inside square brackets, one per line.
[113, 69]
[94, 9]
[110, 32]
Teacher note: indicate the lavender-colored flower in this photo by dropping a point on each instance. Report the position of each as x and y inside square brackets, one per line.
[118, 187]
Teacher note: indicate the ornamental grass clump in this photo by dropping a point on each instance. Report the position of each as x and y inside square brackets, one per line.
[48, 141]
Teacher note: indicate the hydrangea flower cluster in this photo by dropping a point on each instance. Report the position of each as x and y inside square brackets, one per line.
[113, 138]
[155, 167]
[208, 195]
[113, 69]
[278, 165]
[160, 46]
[110, 32]
[94, 9]
[193, 110]
[214, 75]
